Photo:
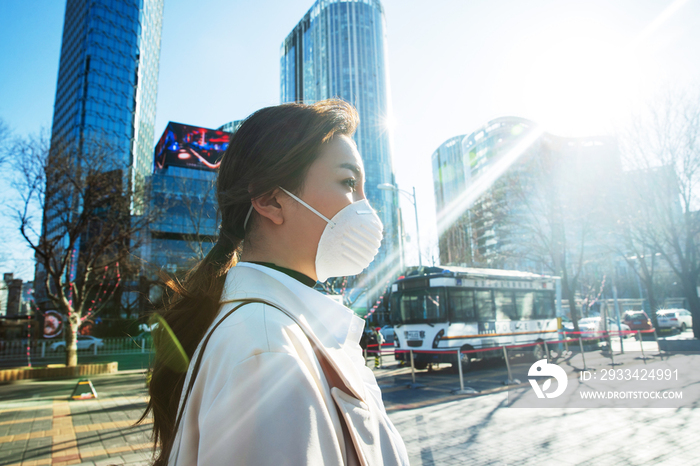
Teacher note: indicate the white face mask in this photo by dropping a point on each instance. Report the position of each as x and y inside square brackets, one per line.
[349, 242]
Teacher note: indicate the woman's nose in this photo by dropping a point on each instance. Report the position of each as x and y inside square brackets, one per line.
[359, 194]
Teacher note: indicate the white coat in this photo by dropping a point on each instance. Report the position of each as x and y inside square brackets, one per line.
[262, 397]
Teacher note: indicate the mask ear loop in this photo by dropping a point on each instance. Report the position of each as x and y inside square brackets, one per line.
[245, 222]
[332, 224]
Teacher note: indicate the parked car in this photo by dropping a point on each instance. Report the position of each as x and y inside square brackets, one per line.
[388, 333]
[612, 325]
[85, 342]
[594, 324]
[637, 320]
[679, 319]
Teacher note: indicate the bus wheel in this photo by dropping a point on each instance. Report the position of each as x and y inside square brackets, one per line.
[465, 359]
[538, 351]
[420, 365]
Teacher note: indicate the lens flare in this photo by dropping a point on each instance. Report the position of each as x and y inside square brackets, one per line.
[455, 209]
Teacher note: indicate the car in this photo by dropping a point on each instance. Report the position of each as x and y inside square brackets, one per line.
[591, 325]
[587, 324]
[388, 333]
[612, 326]
[679, 319]
[85, 342]
[637, 320]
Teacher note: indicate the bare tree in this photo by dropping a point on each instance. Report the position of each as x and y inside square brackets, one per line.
[637, 226]
[554, 208]
[87, 225]
[201, 215]
[549, 230]
[666, 140]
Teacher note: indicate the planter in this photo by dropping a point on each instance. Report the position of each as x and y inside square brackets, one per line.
[57, 371]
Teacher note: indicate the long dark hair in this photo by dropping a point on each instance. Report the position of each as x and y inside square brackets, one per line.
[275, 146]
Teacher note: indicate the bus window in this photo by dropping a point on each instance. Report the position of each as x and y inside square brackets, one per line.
[484, 305]
[544, 305]
[461, 305]
[418, 306]
[505, 307]
[525, 304]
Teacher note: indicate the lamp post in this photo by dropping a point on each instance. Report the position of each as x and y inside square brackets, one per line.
[412, 196]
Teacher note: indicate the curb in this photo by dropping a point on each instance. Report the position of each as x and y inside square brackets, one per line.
[57, 371]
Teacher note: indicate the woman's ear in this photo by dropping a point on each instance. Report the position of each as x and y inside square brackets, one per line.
[268, 206]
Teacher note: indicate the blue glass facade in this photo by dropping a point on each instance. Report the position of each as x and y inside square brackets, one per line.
[338, 49]
[451, 174]
[187, 229]
[184, 194]
[496, 228]
[106, 96]
[477, 237]
[108, 79]
[231, 126]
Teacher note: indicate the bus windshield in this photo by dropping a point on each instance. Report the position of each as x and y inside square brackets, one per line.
[418, 306]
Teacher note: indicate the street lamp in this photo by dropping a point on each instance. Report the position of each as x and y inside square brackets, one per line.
[412, 196]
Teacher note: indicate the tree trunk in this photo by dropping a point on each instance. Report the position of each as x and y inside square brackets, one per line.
[570, 295]
[694, 305]
[691, 294]
[72, 340]
[653, 305]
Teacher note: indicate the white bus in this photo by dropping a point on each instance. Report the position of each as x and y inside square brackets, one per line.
[443, 309]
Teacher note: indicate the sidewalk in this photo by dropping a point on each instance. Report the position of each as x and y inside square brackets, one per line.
[48, 429]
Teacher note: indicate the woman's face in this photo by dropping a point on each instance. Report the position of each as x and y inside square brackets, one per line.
[334, 181]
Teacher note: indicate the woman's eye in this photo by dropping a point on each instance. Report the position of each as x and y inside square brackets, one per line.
[351, 182]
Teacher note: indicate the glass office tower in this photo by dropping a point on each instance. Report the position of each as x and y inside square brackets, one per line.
[338, 49]
[509, 216]
[106, 94]
[183, 186]
[108, 80]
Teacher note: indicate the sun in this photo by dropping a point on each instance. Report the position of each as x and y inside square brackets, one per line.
[575, 79]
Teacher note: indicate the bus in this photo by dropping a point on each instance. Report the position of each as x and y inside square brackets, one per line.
[442, 309]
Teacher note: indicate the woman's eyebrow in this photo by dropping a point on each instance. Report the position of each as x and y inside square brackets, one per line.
[353, 167]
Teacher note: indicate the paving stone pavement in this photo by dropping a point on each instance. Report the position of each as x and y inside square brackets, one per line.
[483, 431]
[40, 425]
[487, 430]
[62, 432]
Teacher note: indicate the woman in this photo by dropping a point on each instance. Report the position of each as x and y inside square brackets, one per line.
[281, 379]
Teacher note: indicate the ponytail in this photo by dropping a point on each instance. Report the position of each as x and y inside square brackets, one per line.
[189, 312]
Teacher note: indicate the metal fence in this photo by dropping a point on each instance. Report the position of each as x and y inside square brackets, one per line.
[564, 344]
[18, 349]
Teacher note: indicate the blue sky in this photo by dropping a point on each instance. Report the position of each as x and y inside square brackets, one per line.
[577, 68]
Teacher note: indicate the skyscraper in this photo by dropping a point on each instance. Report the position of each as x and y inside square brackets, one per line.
[105, 104]
[108, 80]
[338, 49]
[496, 218]
[183, 185]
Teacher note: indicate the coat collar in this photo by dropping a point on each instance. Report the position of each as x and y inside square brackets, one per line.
[335, 329]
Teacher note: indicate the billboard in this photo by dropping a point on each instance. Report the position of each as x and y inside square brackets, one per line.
[190, 147]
